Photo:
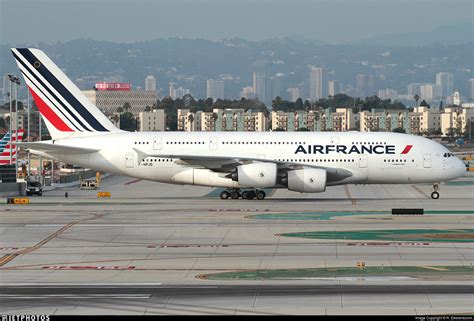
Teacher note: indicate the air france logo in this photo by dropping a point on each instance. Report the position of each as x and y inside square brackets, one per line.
[407, 149]
[353, 149]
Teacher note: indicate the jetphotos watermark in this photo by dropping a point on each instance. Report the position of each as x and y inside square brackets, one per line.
[20, 317]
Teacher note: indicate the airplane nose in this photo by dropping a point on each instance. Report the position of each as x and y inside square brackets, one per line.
[460, 168]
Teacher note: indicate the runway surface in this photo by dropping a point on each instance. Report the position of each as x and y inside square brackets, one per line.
[142, 251]
[325, 299]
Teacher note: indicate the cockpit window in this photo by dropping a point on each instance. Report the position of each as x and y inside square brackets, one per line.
[448, 155]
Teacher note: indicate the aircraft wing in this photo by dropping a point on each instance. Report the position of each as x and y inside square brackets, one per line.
[228, 164]
[55, 148]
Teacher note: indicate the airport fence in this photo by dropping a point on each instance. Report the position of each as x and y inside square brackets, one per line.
[74, 177]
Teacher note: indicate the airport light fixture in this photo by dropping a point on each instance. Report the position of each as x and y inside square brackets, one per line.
[17, 84]
[10, 118]
[14, 80]
[28, 135]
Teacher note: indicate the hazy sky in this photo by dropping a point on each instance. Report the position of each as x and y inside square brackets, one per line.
[30, 21]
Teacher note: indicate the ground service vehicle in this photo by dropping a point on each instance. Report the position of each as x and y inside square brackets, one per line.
[34, 188]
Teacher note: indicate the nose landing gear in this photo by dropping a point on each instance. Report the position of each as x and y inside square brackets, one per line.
[435, 194]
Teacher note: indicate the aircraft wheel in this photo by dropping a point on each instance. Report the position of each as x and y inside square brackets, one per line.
[261, 195]
[234, 195]
[435, 195]
[224, 195]
[250, 195]
[245, 195]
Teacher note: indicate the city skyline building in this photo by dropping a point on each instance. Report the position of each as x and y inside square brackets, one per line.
[371, 85]
[215, 89]
[248, 93]
[275, 85]
[414, 89]
[108, 101]
[180, 92]
[260, 86]
[446, 82]
[171, 87]
[471, 89]
[151, 120]
[387, 93]
[334, 87]
[430, 91]
[150, 83]
[361, 85]
[317, 83]
[294, 94]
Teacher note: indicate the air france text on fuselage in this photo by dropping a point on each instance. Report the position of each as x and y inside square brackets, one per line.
[343, 149]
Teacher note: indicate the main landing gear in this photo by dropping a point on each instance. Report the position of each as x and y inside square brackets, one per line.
[248, 195]
[435, 194]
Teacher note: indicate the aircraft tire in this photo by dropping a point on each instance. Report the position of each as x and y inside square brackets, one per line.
[224, 195]
[261, 195]
[234, 195]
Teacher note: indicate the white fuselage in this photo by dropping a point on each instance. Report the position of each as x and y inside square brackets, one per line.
[376, 157]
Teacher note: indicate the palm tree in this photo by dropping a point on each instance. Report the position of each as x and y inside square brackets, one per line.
[116, 119]
[450, 133]
[416, 98]
[126, 106]
[191, 120]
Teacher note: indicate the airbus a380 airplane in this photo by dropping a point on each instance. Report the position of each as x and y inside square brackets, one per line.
[299, 161]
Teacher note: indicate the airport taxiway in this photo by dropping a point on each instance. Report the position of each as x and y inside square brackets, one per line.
[145, 250]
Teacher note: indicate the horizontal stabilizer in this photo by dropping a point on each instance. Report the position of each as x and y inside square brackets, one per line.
[56, 148]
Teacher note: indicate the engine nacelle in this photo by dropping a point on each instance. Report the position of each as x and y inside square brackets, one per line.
[256, 175]
[307, 180]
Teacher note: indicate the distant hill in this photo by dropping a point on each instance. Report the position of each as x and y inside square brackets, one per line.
[190, 62]
[445, 35]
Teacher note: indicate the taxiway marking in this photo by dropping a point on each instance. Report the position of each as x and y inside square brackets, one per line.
[9, 257]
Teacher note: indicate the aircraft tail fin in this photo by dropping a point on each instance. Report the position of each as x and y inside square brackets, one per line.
[7, 151]
[67, 112]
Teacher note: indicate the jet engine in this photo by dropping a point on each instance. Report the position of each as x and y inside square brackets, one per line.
[256, 175]
[308, 180]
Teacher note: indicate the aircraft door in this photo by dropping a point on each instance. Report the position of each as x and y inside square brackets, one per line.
[363, 161]
[213, 143]
[157, 143]
[427, 160]
[129, 160]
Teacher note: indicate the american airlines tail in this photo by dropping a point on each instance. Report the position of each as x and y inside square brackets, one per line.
[7, 152]
[65, 109]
